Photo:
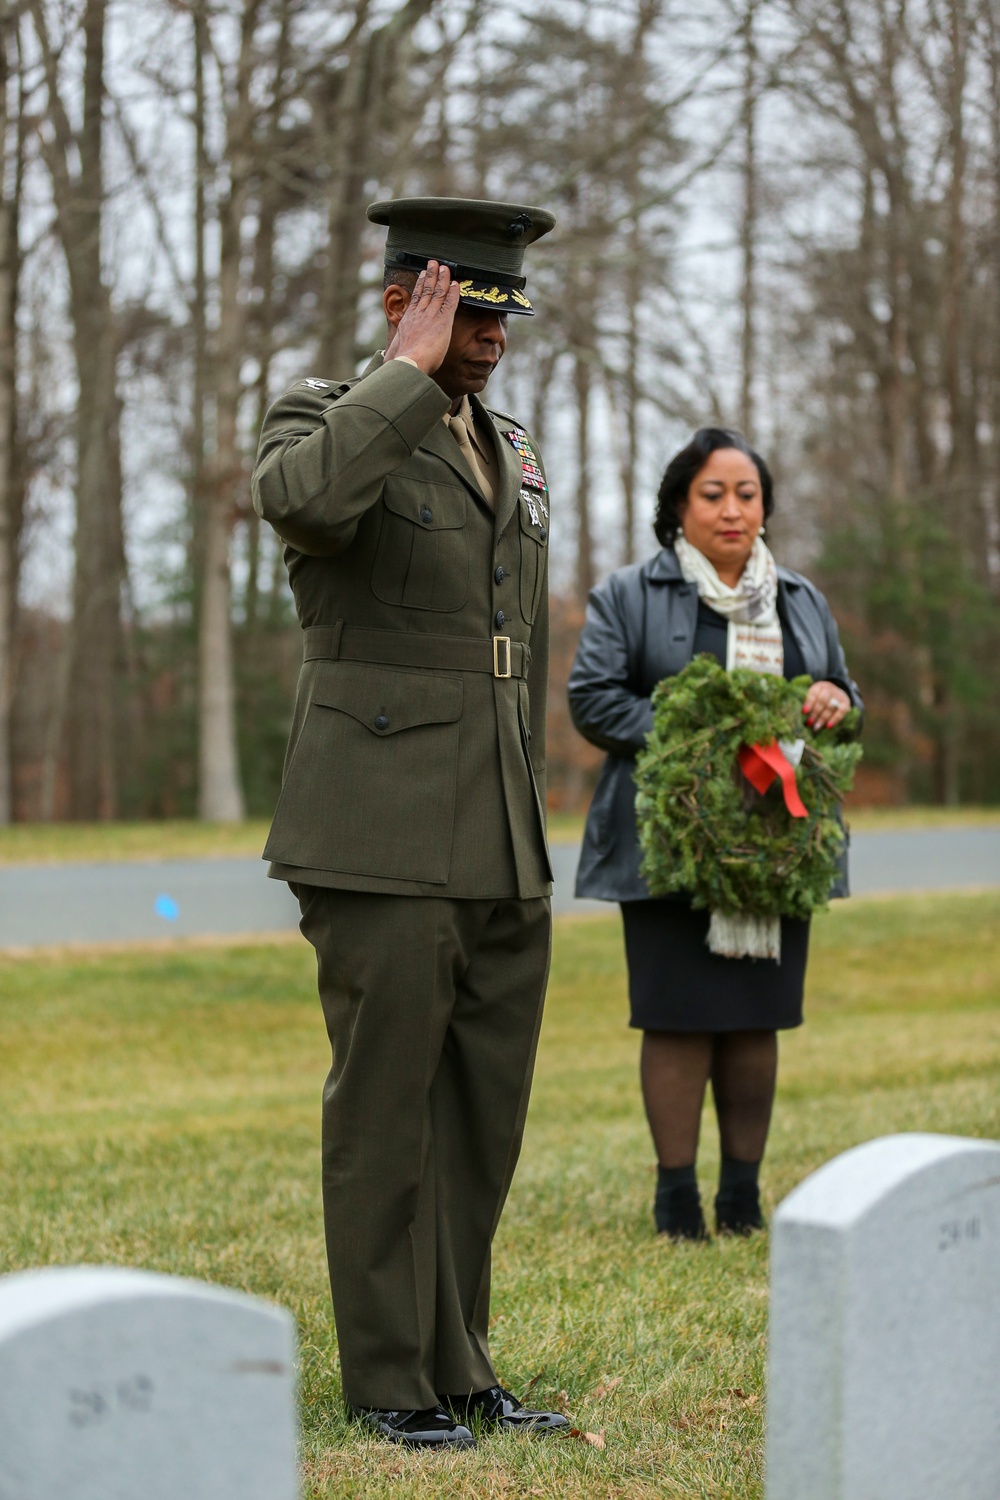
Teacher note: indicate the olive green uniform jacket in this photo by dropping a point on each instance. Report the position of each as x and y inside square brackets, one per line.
[413, 768]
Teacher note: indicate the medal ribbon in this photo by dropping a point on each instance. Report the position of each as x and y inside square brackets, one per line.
[530, 467]
[760, 765]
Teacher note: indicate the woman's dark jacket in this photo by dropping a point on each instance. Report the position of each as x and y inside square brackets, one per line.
[640, 628]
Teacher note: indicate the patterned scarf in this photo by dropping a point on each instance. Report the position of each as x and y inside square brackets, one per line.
[753, 640]
[754, 636]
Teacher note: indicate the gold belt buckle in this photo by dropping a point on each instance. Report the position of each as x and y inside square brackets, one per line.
[498, 641]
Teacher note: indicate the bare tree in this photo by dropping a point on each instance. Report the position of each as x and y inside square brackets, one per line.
[360, 86]
[220, 795]
[749, 217]
[11, 485]
[73, 155]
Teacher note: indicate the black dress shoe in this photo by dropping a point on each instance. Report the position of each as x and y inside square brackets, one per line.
[499, 1411]
[677, 1211]
[737, 1210]
[434, 1428]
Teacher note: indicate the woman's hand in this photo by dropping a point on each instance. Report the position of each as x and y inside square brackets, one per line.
[825, 706]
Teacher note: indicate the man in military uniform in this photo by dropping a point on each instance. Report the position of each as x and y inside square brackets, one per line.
[411, 818]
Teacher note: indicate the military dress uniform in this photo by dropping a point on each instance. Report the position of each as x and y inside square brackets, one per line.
[411, 824]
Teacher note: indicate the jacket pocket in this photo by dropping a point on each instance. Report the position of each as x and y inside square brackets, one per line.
[370, 787]
[534, 541]
[422, 559]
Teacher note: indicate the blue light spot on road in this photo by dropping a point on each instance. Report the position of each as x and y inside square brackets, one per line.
[167, 908]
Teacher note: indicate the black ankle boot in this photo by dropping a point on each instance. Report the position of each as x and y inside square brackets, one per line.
[677, 1209]
[737, 1209]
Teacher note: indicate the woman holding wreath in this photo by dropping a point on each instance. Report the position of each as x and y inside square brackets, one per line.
[713, 587]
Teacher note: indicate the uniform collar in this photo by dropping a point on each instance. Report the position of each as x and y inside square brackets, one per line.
[469, 418]
[482, 430]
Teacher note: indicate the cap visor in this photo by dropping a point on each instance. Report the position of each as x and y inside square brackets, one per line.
[504, 299]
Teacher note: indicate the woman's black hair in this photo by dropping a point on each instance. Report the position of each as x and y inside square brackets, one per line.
[683, 468]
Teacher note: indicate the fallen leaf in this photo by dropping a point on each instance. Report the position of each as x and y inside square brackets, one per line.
[605, 1388]
[595, 1439]
[562, 1402]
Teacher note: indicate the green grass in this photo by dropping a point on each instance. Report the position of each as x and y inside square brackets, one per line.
[567, 828]
[181, 838]
[162, 1108]
[888, 819]
[85, 843]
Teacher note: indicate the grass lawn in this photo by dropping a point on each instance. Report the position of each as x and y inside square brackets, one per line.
[161, 1109]
[568, 827]
[185, 838]
[169, 838]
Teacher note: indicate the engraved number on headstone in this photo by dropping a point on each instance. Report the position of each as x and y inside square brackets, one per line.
[86, 1408]
[89, 1407]
[136, 1394]
[955, 1231]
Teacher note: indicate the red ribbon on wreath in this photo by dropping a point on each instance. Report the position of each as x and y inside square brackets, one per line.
[760, 765]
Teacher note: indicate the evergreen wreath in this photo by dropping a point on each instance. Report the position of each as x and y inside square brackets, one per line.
[702, 827]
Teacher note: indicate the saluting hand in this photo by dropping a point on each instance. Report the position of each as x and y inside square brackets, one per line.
[423, 333]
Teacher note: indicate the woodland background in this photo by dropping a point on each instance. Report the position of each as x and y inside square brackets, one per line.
[777, 214]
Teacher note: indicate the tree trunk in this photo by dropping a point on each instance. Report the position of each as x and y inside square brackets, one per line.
[96, 637]
[96, 649]
[9, 487]
[582, 382]
[960, 411]
[350, 145]
[748, 223]
[353, 145]
[199, 308]
[220, 794]
[263, 318]
[991, 491]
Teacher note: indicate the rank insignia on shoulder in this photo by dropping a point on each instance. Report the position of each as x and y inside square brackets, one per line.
[532, 469]
[317, 385]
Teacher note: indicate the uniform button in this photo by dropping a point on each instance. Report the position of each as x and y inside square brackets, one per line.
[499, 575]
[501, 619]
[381, 722]
[543, 534]
[426, 514]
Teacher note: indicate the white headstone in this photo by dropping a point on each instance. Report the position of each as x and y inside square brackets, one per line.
[124, 1385]
[884, 1362]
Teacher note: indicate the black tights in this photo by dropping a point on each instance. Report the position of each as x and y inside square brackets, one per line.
[675, 1067]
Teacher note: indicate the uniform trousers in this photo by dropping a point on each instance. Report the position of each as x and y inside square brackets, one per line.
[433, 1008]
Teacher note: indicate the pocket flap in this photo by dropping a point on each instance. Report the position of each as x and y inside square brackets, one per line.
[433, 507]
[386, 701]
[534, 520]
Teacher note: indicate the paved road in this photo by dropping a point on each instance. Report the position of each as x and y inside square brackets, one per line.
[41, 905]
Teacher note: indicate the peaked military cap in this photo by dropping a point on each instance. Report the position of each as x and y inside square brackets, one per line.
[482, 244]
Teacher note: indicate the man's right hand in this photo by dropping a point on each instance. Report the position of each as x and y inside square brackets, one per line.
[423, 333]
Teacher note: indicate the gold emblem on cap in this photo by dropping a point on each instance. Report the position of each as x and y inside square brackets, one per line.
[478, 294]
[521, 299]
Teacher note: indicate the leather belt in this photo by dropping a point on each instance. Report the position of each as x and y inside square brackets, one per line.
[498, 656]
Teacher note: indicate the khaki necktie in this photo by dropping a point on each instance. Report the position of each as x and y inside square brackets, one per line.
[460, 432]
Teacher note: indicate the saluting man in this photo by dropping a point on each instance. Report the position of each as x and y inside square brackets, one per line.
[411, 822]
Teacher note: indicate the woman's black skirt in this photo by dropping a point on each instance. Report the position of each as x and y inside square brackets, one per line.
[676, 984]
